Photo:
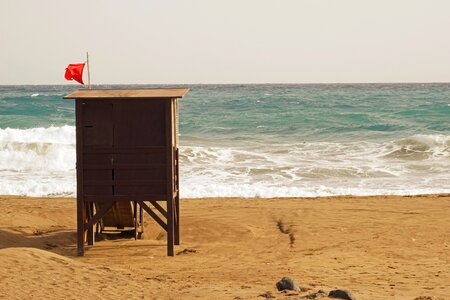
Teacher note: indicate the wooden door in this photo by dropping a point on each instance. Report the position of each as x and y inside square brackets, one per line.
[140, 148]
[97, 131]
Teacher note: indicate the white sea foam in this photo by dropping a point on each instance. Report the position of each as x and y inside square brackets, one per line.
[41, 162]
[415, 165]
[37, 161]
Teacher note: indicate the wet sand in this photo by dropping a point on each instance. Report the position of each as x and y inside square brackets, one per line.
[384, 247]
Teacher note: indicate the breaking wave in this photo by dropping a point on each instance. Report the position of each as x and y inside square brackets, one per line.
[41, 162]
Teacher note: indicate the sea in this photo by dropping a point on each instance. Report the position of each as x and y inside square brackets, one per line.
[246, 140]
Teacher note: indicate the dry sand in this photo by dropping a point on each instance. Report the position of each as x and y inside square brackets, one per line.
[376, 247]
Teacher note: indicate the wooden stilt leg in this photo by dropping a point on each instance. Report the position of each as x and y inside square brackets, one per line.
[136, 222]
[141, 217]
[177, 220]
[170, 172]
[80, 227]
[90, 229]
[170, 226]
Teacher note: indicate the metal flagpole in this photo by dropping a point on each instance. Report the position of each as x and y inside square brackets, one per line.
[89, 71]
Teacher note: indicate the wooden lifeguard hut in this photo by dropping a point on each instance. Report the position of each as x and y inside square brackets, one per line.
[127, 161]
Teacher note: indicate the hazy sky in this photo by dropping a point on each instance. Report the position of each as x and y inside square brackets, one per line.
[227, 41]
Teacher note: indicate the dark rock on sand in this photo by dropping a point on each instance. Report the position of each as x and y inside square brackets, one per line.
[287, 283]
[186, 251]
[318, 294]
[267, 295]
[342, 294]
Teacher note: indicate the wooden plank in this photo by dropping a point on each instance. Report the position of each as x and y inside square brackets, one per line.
[135, 149]
[139, 124]
[124, 182]
[159, 208]
[150, 158]
[131, 190]
[94, 190]
[79, 166]
[97, 124]
[124, 166]
[141, 218]
[169, 178]
[90, 230]
[97, 159]
[153, 215]
[128, 94]
[177, 199]
[103, 210]
[148, 175]
[142, 197]
[136, 223]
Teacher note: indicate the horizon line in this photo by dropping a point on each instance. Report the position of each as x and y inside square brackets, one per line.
[238, 83]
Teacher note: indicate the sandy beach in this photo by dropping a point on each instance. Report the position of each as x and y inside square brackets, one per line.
[386, 247]
[277, 143]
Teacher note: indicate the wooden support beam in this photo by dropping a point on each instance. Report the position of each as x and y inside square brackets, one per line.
[100, 214]
[169, 176]
[177, 220]
[141, 218]
[79, 166]
[170, 228]
[153, 215]
[158, 207]
[90, 229]
[136, 223]
[177, 197]
[80, 226]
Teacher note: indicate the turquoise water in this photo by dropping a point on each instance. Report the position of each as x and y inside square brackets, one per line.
[256, 140]
[302, 113]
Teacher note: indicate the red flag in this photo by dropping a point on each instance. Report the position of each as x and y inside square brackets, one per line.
[75, 72]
